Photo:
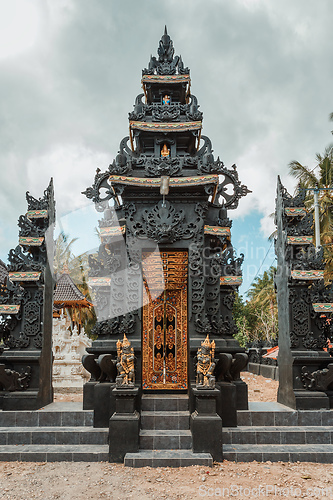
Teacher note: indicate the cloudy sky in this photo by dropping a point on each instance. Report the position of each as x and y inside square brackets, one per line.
[70, 70]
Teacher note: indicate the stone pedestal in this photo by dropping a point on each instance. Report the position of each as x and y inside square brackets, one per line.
[104, 403]
[124, 424]
[88, 395]
[241, 395]
[227, 403]
[206, 424]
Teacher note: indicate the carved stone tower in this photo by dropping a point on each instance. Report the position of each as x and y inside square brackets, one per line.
[165, 273]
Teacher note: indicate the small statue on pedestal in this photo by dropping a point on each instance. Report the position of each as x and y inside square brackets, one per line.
[166, 100]
[165, 152]
[125, 364]
[206, 365]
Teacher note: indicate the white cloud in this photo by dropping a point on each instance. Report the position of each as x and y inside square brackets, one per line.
[20, 26]
[72, 167]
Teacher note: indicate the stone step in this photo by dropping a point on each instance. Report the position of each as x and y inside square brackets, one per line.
[165, 439]
[275, 415]
[55, 415]
[54, 453]
[172, 420]
[53, 436]
[320, 453]
[164, 402]
[167, 458]
[278, 435]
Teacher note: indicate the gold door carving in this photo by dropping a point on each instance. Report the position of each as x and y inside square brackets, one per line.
[164, 343]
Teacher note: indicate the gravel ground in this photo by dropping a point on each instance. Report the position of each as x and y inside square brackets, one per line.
[24, 480]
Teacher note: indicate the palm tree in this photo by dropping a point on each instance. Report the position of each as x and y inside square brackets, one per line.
[321, 176]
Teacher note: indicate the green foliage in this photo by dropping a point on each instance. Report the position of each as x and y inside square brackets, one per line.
[256, 319]
[322, 177]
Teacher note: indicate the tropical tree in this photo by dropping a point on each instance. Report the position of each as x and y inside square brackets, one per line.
[76, 266]
[321, 177]
[256, 318]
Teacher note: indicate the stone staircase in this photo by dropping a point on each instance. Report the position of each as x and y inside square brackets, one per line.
[271, 431]
[165, 436]
[58, 432]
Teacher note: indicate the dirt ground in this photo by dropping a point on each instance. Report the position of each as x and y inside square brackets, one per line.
[24, 481]
[260, 389]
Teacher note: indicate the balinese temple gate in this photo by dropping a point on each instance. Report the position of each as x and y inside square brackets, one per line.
[165, 276]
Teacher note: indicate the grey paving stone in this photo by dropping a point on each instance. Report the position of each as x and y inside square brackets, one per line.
[147, 420]
[268, 437]
[62, 456]
[147, 404]
[93, 437]
[318, 437]
[10, 456]
[67, 437]
[324, 458]
[7, 418]
[166, 404]
[327, 417]
[146, 442]
[33, 456]
[72, 418]
[49, 419]
[244, 417]
[243, 437]
[88, 418]
[226, 436]
[185, 442]
[262, 418]
[302, 456]
[43, 437]
[18, 438]
[293, 437]
[167, 442]
[26, 419]
[286, 418]
[309, 417]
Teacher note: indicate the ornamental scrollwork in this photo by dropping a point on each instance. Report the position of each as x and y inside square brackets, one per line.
[230, 179]
[155, 167]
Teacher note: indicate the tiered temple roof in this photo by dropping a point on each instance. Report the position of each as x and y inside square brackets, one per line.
[67, 294]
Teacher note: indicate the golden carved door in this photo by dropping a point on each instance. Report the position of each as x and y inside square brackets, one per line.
[164, 341]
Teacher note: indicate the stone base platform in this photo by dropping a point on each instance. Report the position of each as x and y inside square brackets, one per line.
[271, 431]
[59, 432]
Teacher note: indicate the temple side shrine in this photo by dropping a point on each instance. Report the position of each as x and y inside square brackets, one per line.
[165, 276]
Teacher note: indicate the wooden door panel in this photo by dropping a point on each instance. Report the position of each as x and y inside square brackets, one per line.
[164, 340]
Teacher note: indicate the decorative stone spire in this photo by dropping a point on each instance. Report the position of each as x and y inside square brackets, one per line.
[167, 63]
